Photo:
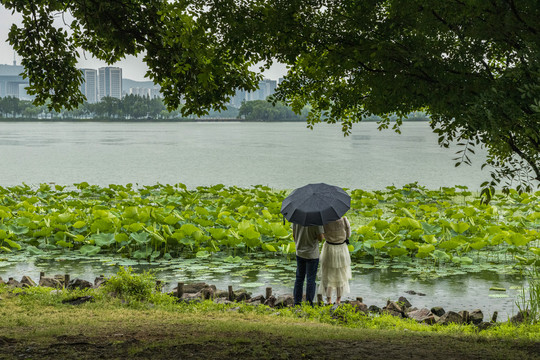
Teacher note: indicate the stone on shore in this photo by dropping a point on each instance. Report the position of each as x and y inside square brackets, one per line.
[420, 315]
[100, 281]
[256, 300]
[241, 295]
[271, 301]
[450, 317]
[26, 281]
[405, 304]
[50, 282]
[79, 284]
[476, 316]
[195, 287]
[13, 283]
[284, 301]
[437, 310]
[393, 307]
[359, 306]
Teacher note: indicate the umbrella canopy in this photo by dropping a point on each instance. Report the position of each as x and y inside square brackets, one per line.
[315, 204]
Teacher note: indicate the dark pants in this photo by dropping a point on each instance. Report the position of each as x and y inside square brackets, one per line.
[305, 268]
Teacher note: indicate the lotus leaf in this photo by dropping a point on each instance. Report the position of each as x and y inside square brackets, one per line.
[199, 236]
[12, 244]
[79, 224]
[34, 250]
[135, 227]
[64, 217]
[397, 252]
[268, 247]
[252, 285]
[141, 237]
[430, 239]
[409, 223]
[18, 230]
[142, 254]
[290, 248]
[279, 230]
[409, 244]
[516, 239]
[459, 227]
[64, 244]
[426, 248]
[189, 229]
[201, 211]
[202, 254]
[131, 212]
[266, 214]
[121, 237]
[430, 229]
[440, 255]
[218, 233]
[103, 239]
[171, 219]
[89, 250]
[3, 248]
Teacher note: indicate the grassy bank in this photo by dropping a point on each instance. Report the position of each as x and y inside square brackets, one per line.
[35, 324]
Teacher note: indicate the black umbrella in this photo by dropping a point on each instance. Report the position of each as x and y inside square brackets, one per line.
[315, 204]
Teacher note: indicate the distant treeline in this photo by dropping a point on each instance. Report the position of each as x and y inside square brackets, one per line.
[137, 108]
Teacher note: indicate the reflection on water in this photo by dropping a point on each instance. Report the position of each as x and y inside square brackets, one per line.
[375, 286]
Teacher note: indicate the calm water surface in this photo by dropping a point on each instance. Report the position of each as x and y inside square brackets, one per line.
[375, 286]
[281, 155]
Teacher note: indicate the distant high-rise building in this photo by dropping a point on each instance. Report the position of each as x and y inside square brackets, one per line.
[89, 87]
[11, 81]
[110, 82]
[266, 88]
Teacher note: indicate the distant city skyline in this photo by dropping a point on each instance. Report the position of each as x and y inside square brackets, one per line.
[133, 67]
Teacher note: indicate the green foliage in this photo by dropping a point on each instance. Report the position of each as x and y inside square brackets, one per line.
[128, 285]
[261, 110]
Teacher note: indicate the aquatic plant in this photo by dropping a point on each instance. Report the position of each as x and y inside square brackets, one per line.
[528, 301]
[445, 229]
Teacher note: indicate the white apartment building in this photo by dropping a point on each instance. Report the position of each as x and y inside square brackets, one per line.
[110, 82]
[89, 87]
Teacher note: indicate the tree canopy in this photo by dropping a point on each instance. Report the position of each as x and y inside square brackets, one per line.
[473, 65]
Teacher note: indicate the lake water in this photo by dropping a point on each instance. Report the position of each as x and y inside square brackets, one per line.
[280, 155]
[376, 286]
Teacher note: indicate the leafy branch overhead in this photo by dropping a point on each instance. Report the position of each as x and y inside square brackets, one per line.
[472, 65]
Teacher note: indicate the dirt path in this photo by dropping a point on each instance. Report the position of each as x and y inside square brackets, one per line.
[188, 343]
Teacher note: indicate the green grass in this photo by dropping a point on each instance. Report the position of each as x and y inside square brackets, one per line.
[157, 327]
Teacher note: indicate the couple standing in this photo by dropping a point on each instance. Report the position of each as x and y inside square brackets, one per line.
[335, 261]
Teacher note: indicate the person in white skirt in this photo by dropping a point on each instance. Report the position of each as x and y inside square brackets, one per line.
[335, 260]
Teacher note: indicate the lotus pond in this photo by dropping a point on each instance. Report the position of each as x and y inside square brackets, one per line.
[444, 243]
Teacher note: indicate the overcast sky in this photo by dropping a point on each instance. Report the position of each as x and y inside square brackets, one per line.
[132, 67]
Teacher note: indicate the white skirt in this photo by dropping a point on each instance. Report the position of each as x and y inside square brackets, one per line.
[334, 270]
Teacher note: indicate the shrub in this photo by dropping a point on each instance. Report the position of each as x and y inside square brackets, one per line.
[127, 284]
